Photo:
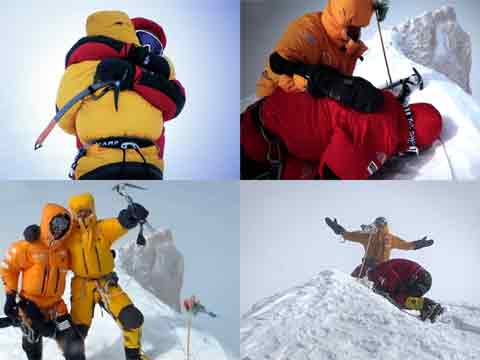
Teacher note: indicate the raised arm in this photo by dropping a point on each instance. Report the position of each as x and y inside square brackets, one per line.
[355, 236]
[401, 244]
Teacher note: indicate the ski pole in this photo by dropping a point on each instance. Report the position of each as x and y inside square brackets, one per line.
[377, 15]
[107, 85]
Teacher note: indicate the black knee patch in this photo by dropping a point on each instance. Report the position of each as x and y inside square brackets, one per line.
[130, 317]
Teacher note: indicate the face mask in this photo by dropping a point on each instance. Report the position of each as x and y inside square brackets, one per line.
[59, 226]
[151, 42]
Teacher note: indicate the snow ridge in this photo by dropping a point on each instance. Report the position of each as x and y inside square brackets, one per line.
[333, 316]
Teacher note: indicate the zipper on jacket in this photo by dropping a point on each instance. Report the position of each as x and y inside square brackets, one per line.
[45, 272]
[98, 258]
[58, 280]
[84, 260]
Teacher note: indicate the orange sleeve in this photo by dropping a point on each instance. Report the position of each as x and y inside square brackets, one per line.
[15, 261]
[356, 236]
[398, 243]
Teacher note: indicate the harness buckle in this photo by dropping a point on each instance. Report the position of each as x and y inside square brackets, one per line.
[129, 145]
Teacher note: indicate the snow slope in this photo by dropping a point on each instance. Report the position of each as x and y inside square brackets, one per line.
[164, 335]
[460, 158]
[333, 316]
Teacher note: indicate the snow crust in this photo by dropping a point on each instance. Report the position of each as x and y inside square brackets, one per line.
[459, 159]
[334, 317]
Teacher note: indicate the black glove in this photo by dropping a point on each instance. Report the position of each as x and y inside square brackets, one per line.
[116, 69]
[333, 224]
[11, 307]
[424, 242]
[350, 91]
[138, 54]
[31, 233]
[141, 56]
[132, 215]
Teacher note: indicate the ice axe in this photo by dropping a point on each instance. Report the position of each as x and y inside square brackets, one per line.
[89, 91]
[121, 189]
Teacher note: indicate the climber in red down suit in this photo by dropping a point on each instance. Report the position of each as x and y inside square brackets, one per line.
[297, 136]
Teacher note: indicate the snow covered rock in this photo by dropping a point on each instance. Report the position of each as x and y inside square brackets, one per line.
[436, 40]
[158, 266]
[164, 333]
[333, 316]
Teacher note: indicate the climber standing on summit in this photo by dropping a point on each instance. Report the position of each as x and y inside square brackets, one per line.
[377, 241]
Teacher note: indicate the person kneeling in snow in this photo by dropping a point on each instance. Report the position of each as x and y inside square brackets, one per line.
[405, 283]
[295, 136]
[120, 136]
[377, 241]
[43, 261]
[324, 47]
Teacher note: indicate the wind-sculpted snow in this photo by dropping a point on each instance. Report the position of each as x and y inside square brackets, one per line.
[334, 317]
[164, 334]
[459, 159]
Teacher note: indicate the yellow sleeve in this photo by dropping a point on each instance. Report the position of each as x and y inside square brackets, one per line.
[398, 243]
[14, 263]
[111, 229]
[356, 236]
[77, 77]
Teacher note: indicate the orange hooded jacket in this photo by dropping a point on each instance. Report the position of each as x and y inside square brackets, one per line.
[319, 38]
[44, 264]
[378, 245]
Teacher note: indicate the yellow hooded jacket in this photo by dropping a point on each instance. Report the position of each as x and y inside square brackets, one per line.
[319, 38]
[91, 120]
[91, 240]
[381, 243]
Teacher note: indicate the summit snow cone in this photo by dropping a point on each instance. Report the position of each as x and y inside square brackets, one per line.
[120, 129]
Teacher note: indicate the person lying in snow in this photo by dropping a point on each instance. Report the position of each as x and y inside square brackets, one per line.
[405, 283]
[377, 241]
[324, 40]
[120, 138]
[43, 260]
[295, 136]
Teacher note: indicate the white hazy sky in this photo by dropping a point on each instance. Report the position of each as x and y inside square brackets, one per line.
[203, 43]
[203, 218]
[284, 240]
[264, 21]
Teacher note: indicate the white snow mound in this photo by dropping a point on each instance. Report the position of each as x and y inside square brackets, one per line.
[334, 317]
[460, 158]
[164, 333]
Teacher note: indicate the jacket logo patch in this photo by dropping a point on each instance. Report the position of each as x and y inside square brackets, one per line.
[372, 168]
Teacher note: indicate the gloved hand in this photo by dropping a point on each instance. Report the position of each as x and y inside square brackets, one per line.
[350, 91]
[138, 54]
[335, 226]
[141, 56]
[11, 307]
[117, 70]
[424, 242]
[31, 233]
[132, 215]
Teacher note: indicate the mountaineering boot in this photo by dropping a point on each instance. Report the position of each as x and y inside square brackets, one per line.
[431, 310]
[135, 354]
